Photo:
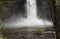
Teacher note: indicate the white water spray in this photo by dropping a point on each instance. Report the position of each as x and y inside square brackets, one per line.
[32, 20]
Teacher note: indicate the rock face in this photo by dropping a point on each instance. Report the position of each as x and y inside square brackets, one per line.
[17, 13]
[44, 9]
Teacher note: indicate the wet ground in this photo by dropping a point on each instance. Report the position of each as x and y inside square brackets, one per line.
[27, 34]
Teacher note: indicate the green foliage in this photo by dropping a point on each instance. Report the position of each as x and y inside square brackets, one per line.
[1, 36]
[58, 1]
[1, 25]
[40, 31]
[6, 3]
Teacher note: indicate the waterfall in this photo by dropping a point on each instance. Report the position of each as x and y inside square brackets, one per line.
[31, 9]
[31, 20]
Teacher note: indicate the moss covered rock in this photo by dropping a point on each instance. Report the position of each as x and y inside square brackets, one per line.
[39, 31]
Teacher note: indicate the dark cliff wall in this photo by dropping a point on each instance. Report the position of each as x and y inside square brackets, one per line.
[12, 8]
[45, 9]
[17, 8]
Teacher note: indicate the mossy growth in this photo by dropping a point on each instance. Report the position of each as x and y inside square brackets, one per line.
[1, 36]
[1, 25]
[39, 31]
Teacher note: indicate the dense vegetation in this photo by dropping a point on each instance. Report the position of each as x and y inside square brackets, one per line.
[1, 25]
[3, 6]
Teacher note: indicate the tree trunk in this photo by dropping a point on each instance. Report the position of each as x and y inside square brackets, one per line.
[56, 19]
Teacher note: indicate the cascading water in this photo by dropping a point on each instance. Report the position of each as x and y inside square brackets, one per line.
[31, 20]
[31, 9]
